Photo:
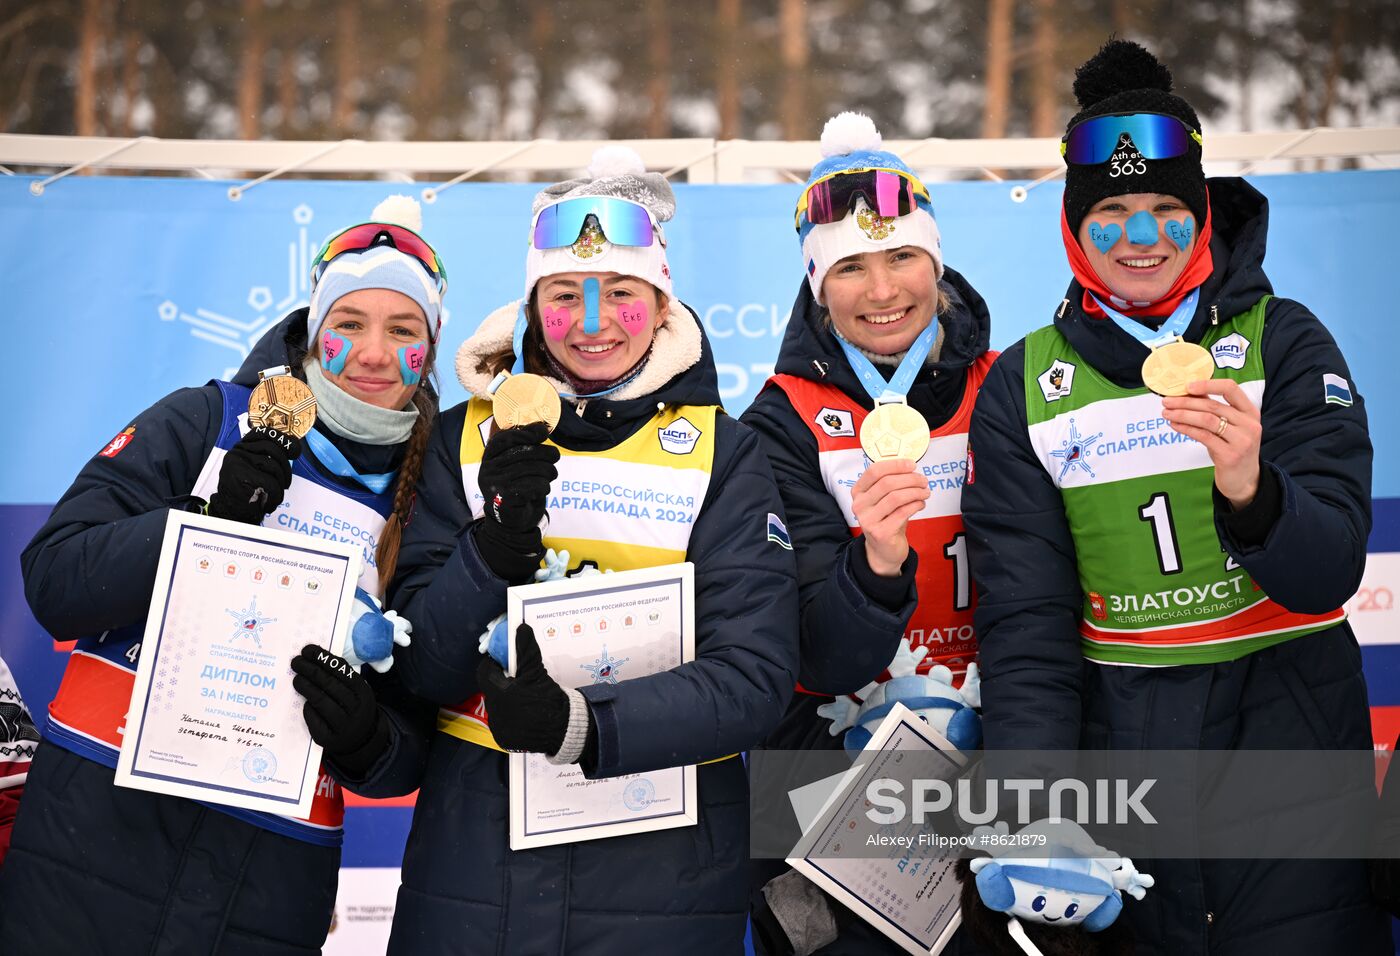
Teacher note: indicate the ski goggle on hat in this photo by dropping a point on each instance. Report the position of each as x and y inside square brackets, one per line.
[368, 235]
[1155, 135]
[623, 222]
[888, 193]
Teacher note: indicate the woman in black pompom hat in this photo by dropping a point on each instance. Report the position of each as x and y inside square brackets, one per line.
[1167, 571]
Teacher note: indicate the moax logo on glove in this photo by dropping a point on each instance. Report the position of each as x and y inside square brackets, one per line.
[1057, 381]
[679, 437]
[836, 422]
[1101, 800]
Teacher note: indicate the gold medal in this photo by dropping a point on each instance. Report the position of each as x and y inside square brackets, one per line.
[282, 402]
[894, 430]
[525, 399]
[1169, 369]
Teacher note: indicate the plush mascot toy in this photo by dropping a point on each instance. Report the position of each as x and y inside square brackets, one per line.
[1063, 902]
[374, 633]
[950, 711]
[556, 567]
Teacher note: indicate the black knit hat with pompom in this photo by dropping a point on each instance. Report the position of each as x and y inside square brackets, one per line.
[1124, 78]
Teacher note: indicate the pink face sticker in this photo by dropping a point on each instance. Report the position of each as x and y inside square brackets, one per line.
[633, 317]
[334, 351]
[557, 322]
[411, 358]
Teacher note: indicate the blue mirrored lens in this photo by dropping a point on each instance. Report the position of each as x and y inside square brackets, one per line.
[1155, 135]
[623, 223]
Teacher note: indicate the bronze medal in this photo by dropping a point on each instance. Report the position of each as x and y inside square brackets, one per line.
[525, 399]
[282, 403]
[1169, 369]
[894, 430]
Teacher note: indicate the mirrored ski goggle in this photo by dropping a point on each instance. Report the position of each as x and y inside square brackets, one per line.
[1155, 136]
[367, 235]
[623, 222]
[888, 192]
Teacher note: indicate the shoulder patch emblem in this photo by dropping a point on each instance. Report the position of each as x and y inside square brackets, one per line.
[1231, 351]
[1336, 390]
[679, 437]
[1057, 381]
[126, 437]
[778, 532]
[836, 422]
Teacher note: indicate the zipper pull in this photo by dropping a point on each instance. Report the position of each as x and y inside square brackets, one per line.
[1215, 315]
[1064, 304]
[579, 406]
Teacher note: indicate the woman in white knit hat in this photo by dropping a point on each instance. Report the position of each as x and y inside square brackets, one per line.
[600, 322]
[104, 869]
[880, 328]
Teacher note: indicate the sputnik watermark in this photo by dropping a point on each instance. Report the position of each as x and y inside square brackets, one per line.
[1106, 801]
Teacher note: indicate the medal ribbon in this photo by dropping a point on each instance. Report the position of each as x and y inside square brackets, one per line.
[333, 461]
[903, 378]
[1169, 331]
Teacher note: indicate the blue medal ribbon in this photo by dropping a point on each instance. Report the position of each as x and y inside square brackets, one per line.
[335, 462]
[902, 380]
[1169, 331]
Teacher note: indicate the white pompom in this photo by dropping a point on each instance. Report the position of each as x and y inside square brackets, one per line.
[615, 160]
[848, 132]
[401, 211]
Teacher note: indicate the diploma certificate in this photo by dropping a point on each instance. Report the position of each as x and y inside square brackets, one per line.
[602, 628]
[907, 890]
[213, 714]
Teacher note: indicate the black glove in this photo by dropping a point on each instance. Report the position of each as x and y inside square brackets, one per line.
[340, 710]
[516, 471]
[528, 712]
[255, 475]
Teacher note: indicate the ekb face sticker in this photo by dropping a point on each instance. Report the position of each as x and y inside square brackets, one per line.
[335, 349]
[1106, 237]
[633, 318]
[1181, 232]
[556, 322]
[411, 359]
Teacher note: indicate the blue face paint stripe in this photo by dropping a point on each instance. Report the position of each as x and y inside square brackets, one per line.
[590, 306]
[335, 365]
[1142, 228]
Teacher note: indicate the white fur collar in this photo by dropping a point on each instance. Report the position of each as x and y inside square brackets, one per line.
[675, 348]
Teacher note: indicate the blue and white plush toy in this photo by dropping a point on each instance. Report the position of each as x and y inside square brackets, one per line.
[495, 641]
[373, 634]
[1073, 882]
[932, 696]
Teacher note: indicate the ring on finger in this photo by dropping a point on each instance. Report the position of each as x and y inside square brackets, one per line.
[1224, 424]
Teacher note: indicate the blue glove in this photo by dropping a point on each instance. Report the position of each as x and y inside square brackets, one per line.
[373, 634]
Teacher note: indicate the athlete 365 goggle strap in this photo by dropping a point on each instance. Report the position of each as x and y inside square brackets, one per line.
[622, 221]
[888, 193]
[367, 235]
[1154, 135]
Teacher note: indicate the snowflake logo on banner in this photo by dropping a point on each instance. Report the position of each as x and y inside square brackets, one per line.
[250, 622]
[605, 668]
[239, 334]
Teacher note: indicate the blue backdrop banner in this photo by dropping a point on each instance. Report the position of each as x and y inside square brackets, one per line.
[124, 289]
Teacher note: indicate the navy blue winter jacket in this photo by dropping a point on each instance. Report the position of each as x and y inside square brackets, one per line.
[673, 891]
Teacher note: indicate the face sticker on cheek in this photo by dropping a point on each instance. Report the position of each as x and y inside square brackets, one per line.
[1106, 237]
[1181, 232]
[335, 349]
[633, 317]
[411, 359]
[556, 322]
[1142, 228]
[590, 306]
